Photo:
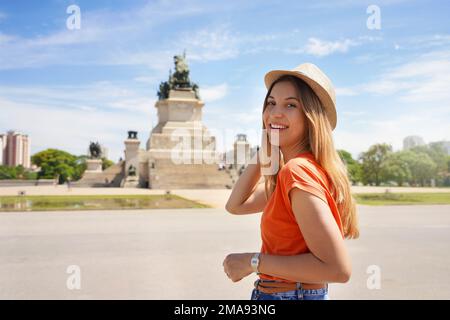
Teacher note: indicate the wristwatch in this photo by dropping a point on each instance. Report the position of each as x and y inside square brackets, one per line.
[255, 262]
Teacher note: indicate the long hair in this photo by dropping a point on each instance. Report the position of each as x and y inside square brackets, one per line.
[319, 141]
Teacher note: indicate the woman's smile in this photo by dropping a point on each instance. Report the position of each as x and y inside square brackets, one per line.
[277, 127]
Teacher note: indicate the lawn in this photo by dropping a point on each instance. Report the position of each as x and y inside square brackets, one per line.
[95, 202]
[391, 198]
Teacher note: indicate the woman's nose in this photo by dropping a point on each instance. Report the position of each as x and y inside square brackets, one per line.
[276, 112]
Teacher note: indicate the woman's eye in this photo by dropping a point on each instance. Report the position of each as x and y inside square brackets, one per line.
[270, 103]
[292, 105]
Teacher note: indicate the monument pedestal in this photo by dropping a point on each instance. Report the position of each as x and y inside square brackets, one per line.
[130, 182]
[94, 165]
[180, 127]
[181, 151]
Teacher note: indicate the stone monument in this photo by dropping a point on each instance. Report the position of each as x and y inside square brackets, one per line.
[181, 153]
[131, 165]
[94, 163]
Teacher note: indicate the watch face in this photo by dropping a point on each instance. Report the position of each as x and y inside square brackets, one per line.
[255, 262]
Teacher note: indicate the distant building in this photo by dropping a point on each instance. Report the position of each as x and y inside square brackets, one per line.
[2, 148]
[412, 141]
[15, 149]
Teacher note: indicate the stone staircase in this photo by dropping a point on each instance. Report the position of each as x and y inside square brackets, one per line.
[111, 177]
[165, 175]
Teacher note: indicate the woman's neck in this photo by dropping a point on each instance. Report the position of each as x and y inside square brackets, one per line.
[291, 153]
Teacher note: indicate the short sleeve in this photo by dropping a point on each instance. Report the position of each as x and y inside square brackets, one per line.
[303, 176]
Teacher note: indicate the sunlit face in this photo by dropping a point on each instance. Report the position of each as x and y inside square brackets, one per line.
[284, 114]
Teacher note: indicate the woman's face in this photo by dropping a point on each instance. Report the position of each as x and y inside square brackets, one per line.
[284, 108]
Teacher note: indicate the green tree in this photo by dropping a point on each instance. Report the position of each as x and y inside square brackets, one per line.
[28, 175]
[7, 173]
[80, 168]
[106, 163]
[437, 152]
[353, 167]
[18, 172]
[56, 163]
[396, 168]
[422, 168]
[446, 180]
[372, 163]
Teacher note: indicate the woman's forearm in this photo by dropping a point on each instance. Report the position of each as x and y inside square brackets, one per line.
[245, 185]
[305, 268]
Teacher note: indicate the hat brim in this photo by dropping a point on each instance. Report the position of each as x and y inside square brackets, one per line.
[327, 102]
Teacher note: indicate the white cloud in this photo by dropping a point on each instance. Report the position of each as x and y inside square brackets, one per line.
[384, 86]
[5, 38]
[353, 113]
[379, 59]
[209, 44]
[423, 80]
[245, 118]
[213, 93]
[320, 48]
[345, 92]
[147, 80]
[104, 95]
[427, 41]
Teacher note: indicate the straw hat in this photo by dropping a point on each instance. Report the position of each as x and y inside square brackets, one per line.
[318, 82]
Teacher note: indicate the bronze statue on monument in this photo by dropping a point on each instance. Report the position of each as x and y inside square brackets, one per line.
[95, 150]
[179, 80]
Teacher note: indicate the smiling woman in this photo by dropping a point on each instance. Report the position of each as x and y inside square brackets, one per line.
[307, 206]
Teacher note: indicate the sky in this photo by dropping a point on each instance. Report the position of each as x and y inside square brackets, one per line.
[65, 87]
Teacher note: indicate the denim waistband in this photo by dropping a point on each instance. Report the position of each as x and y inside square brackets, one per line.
[298, 286]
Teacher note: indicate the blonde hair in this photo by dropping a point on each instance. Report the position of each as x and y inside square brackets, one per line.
[319, 141]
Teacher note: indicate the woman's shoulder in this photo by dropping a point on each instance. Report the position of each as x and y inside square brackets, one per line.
[301, 162]
[304, 166]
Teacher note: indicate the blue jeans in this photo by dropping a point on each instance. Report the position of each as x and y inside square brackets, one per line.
[297, 294]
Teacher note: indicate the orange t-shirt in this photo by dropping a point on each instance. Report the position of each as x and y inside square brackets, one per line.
[280, 231]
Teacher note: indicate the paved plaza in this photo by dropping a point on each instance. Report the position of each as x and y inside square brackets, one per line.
[178, 254]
